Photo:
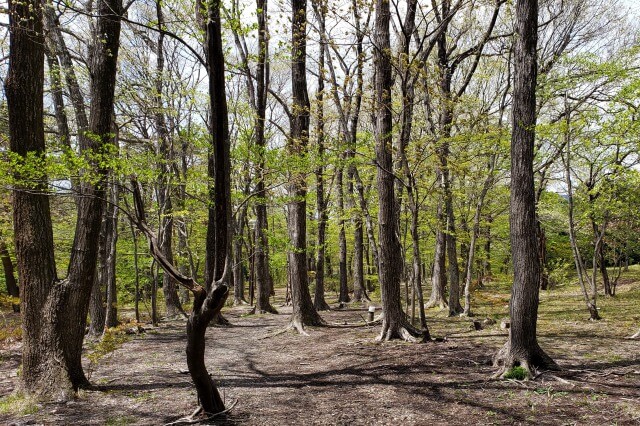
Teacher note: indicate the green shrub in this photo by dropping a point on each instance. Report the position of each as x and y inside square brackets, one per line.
[517, 373]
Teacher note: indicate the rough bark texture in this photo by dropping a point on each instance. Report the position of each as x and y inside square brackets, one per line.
[522, 347]
[261, 261]
[304, 312]
[55, 312]
[394, 323]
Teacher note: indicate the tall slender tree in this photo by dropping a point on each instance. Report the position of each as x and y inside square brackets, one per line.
[394, 322]
[522, 348]
[304, 313]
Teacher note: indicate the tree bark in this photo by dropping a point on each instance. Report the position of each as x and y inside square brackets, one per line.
[304, 312]
[261, 260]
[319, 301]
[439, 274]
[55, 312]
[522, 347]
[394, 323]
[173, 307]
[108, 265]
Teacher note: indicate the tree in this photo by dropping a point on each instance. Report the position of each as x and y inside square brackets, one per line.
[522, 349]
[394, 323]
[55, 311]
[304, 313]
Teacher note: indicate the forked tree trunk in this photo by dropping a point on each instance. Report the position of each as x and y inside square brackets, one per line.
[522, 349]
[55, 312]
[206, 305]
[304, 312]
[583, 275]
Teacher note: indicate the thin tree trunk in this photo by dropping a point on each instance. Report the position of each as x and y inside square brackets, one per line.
[488, 182]
[342, 242]
[109, 265]
[173, 306]
[262, 282]
[319, 301]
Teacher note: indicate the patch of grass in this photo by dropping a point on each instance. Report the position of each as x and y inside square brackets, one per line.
[119, 421]
[550, 392]
[517, 373]
[111, 340]
[10, 329]
[18, 404]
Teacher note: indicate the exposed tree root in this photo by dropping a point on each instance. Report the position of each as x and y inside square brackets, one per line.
[220, 320]
[440, 302]
[240, 302]
[191, 420]
[269, 310]
[530, 359]
[403, 331]
[321, 305]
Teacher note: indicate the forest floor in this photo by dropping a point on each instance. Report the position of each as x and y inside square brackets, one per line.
[339, 375]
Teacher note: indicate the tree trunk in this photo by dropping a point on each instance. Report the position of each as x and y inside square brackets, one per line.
[319, 301]
[109, 264]
[55, 312]
[304, 312]
[165, 154]
[342, 242]
[9, 276]
[439, 275]
[238, 261]
[97, 305]
[261, 260]
[394, 323]
[522, 347]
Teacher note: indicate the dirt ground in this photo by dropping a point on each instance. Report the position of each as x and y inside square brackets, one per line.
[339, 375]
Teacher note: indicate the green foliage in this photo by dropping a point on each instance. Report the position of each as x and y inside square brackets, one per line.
[516, 373]
[18, 404]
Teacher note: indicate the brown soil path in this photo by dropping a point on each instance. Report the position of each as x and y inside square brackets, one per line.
[340, 376]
